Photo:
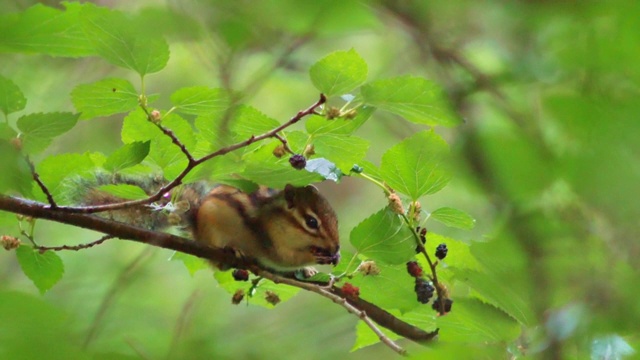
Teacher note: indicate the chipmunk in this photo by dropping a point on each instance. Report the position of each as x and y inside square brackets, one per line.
[283, 230]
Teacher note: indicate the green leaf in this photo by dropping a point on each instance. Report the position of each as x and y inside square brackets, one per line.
[39, 129]
[344, 151]
[384, 237]
[124, 191]
[454, 218]
[7, 132]
[45, 30]
[105, 97]
[339, 72]
[16, 175]
[192, 263]
[248, 121]
[44, 269]
[471, 321]
[129, 155]
[53, 171]
[120, 40]
[416, 99]
[264, 168]
[321, 125]
[136, 127]
[11, 98]
[392, 288]
[200, 100]
[459, 253]
[415, 166]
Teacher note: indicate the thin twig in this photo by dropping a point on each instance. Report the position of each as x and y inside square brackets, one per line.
[338, 300]
[74, 247]
[176, 141]
[42, 186]
[285, 143]
[178, 180]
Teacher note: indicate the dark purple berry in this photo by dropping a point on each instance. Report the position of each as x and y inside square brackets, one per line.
[240, 275]
[414, 269]
[441, 251]
[424, 290]
[298, 161]
[447, 305]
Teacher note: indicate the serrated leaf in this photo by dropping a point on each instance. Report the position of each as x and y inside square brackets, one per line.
[416, 99]
[128, 155]
[384, 237]
[16, 175]
[11, 98]
[120, 40]
[54, 169]
[317, 124]
[248, 121]
[458, 256]
[339, 72]
[454, 218]
[45, 30]
[44, 269]
[124, 191]
[105, 97]
[192, 263]
[344, 151]
[39, 129]
[471, 321]
[392, 288]
[264, 168]
[415, 166]
[256, 297]
[200, 100]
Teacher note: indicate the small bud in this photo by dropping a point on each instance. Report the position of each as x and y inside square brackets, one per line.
[298, 161]
[272, 298]
[357, 169]
[414, 269]
[417, 209]
[237, 297]
[369, 267]
[9, 242]
[309, 150]
[155, 116]
[279, 151]
[350, 114]
[17, 143]
[240, 275]
[350, 291]
[395, 204]
[332, 113]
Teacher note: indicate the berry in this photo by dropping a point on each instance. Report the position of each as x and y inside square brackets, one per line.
[298, 161]
[414, 269]
[441, 251]
[350, 291]
[272, 298]
[424, 290]
[240, 275]
[447, 305]
[237, 297]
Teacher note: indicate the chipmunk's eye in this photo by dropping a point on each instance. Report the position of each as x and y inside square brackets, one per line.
[312, 222]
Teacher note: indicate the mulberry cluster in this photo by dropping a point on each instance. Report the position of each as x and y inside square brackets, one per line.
[424, 290]
[441, 251]
[414, 269]
[298, 161]
[447, 305]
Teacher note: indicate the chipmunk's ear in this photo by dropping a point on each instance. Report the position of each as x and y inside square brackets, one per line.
[290, 195]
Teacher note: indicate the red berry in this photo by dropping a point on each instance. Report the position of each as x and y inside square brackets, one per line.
[414, 269]
[240, 275]
[350, 291]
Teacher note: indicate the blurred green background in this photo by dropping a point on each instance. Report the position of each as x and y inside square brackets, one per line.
[547, 161]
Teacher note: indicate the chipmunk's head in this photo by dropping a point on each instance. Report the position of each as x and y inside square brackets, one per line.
[304, 230]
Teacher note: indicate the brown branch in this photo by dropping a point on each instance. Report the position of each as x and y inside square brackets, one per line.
[192, 164]
[173, 242]
[74, 247]
[176, 141]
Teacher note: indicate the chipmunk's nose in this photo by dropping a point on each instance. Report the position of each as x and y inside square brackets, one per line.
[335, 257]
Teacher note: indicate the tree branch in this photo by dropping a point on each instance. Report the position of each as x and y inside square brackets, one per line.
[177, 243]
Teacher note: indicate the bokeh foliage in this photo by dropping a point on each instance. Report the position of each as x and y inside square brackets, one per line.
[545, 159]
